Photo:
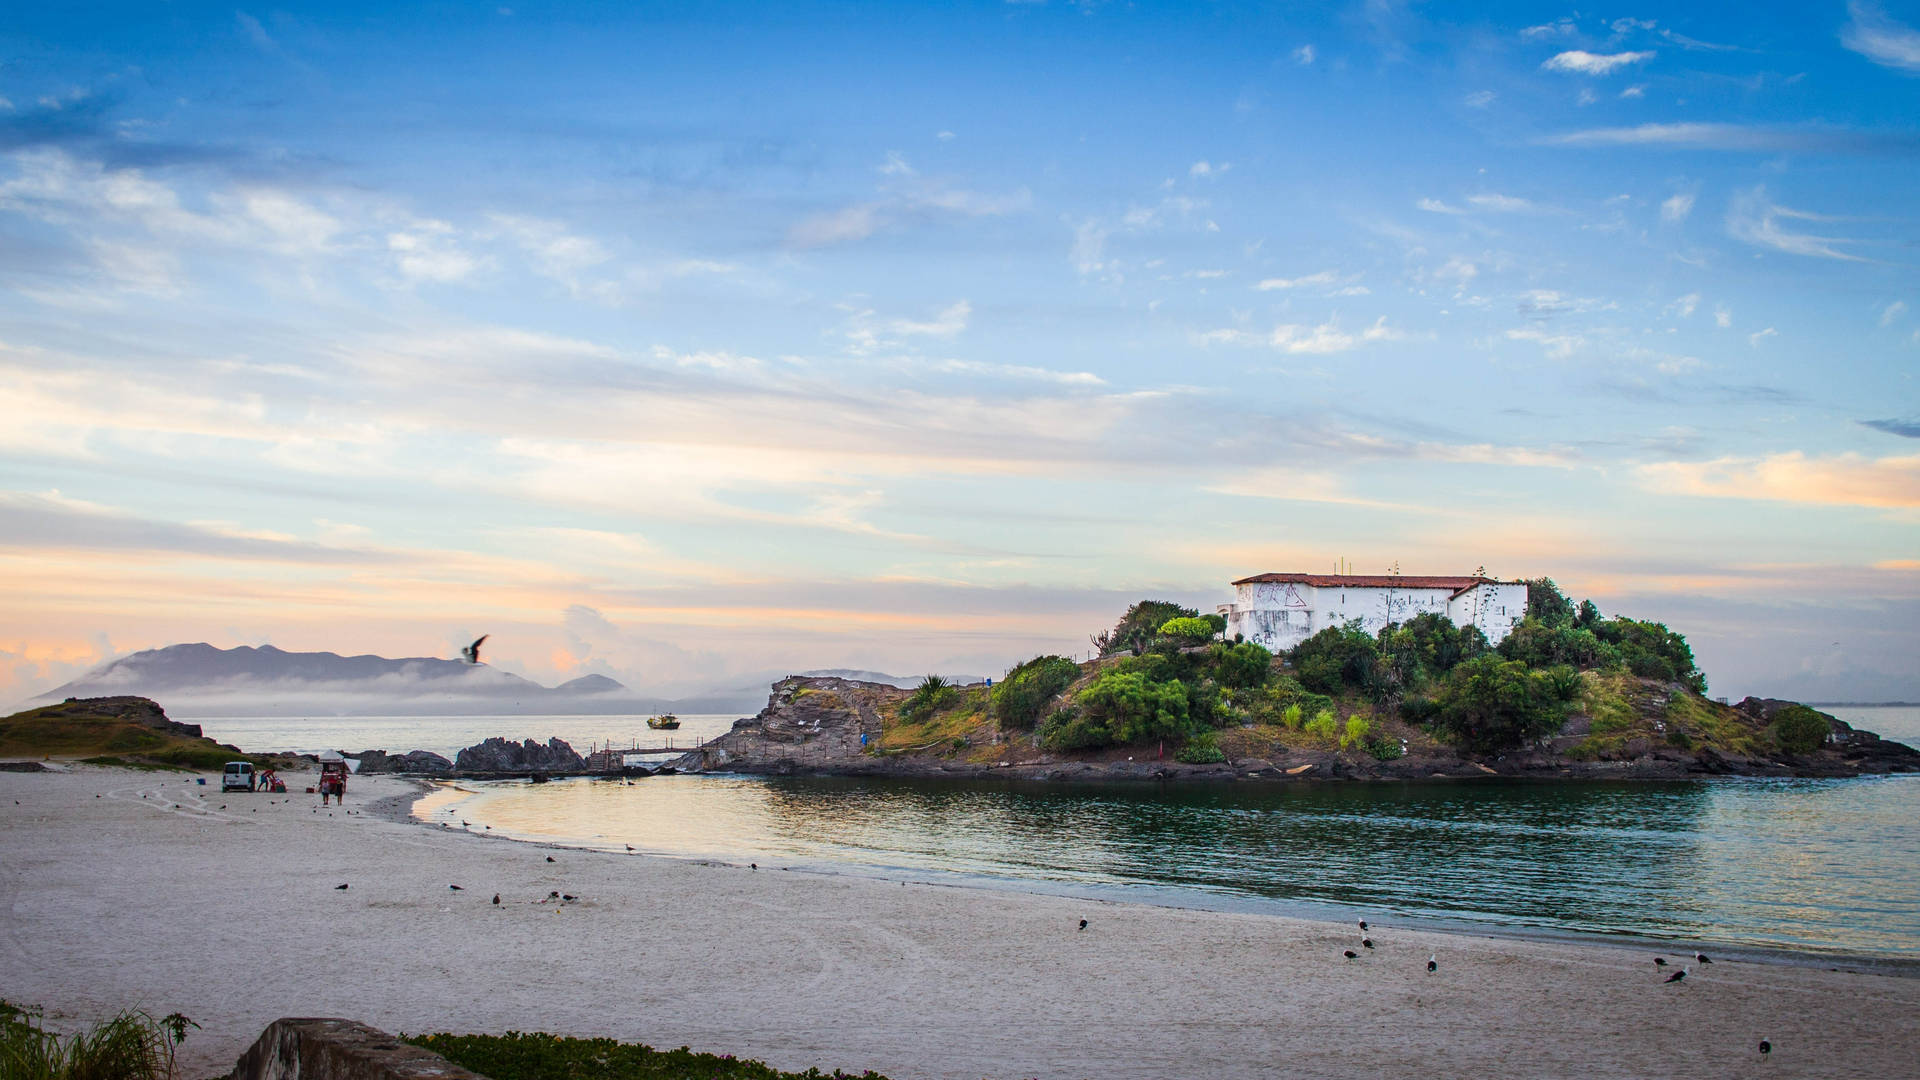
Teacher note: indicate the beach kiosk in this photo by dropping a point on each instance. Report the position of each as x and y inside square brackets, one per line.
[333, 776]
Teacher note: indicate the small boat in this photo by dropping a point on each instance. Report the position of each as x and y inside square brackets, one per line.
[669, 722]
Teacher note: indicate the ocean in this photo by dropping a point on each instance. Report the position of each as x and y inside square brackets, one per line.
[1820, 867]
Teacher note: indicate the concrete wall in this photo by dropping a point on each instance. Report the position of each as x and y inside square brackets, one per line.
[323, 1049]
[1282, 615]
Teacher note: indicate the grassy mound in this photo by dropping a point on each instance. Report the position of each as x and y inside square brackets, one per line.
[126, 731]
[537, 1056]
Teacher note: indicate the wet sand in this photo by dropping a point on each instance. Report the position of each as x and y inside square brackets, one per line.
[148, 895]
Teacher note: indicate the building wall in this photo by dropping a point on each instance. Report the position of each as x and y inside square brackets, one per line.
[1282, 615]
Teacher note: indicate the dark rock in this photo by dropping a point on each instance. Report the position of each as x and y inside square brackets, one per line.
[413, 761]
[501, 755]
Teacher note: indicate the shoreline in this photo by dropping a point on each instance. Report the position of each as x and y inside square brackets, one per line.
[232, 911]
[1193, 899]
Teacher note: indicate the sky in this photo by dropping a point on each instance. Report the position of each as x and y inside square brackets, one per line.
[686, 342]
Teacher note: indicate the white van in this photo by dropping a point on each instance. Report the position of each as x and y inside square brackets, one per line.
[238, 777]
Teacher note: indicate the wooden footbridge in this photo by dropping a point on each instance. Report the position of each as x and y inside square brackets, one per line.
[614, 758]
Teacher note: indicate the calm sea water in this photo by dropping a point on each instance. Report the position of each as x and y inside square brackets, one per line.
[1817, 866]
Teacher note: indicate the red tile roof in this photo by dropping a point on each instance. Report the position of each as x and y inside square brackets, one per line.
[1458, 585]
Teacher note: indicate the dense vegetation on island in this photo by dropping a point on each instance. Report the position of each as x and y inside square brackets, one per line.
[1166, 678]
[127, 731]
[538, 1056]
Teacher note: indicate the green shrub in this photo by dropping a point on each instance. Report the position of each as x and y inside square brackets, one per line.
[1385, 749]
[1070, 729]
[1135, 630]
[1797, 729]
[1026, 690]
[1192, 631]
[1651, 651]
[1323, 725]
[1135, 708]
[1293, 716]
[1357, 730]
[933, 694]
[1202, 749]
[1418, 710]
[1680, 739]
[1337, 659]
[538, 1056]
[1489, 704]
[1243, 665]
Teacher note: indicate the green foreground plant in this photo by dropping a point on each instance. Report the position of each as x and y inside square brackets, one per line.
[131, 1046]
[539, 1056]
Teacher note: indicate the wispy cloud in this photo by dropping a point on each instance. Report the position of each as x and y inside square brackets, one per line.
[1479, 99]
[1906, 429]
[1880, 39]
[1325, 277]
[1545, 31]
[1582, 62]
[1677, 206]
[1556, 346]
[1892, 313]
[906, 197]
[1304, 55]
[1756, 220]
[1740, 137]
[1841, 479]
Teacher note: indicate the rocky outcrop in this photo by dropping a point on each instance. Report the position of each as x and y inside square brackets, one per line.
[506, 756]
[415, 762]
[810, 724]
[137, 710]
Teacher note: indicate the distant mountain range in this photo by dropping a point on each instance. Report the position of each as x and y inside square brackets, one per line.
[200, 680]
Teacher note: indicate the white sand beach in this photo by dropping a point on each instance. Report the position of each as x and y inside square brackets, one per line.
[127, 889]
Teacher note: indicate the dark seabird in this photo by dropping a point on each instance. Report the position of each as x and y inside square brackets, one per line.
[554, 895]
[1083, 924]
[1433, 963]
[339, 887]
[1765, 1048]
[465, 822]
[755, 866]
[569, 896]
[629, 847]
[1678, 975]
[1366, 943]
[472, 652]
[455, 888]
[489, 828]
[1363, 924]
[549, 858]
[1659, 961]
[496, 899]
[1350, 954]
[1702, 957]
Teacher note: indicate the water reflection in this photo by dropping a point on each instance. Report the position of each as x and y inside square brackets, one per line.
[1808, 864]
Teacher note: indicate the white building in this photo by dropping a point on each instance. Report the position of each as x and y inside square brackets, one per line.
[1280, 611]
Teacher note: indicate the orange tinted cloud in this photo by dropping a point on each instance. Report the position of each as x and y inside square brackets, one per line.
[1843, 479]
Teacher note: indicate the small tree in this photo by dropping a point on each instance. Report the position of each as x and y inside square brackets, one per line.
[1797, 729]
[1489, 704]
[1188, 630]
[1021, 697]
[1135, 630]
[933, 694]
[1243, 665]
[1547, 603]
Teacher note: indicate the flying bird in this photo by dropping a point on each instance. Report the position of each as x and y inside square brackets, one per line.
[472, 652]
[1433, 963]
[1677, 976]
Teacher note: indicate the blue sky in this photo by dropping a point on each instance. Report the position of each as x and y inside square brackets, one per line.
[691, 342]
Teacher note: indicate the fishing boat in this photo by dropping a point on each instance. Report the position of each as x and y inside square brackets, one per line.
[668, 722]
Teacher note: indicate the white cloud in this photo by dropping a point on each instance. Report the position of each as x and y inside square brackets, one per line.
[1328, 337]
[1304, 54]
[1677, 207]
[1204, 168]
[1089, 247]
[1893, 311]
[429, 255]
[836, 226]
[1556, 346]
[1502, 204]
[1324, 277]
[1458, 270]
[1755, 339]
[1723, 318]
[1880, 39]
[944, 136]
[1561, 28]
[1582, 62]
[1435, 206]
[555, 252]
[895, 165]
[908, 197]
[1018, 371]
[1621, 26]
[1637, 90]
[1685, 306]
[1586, 96]
[1754, 219]
[950, 321]
[1479, 99]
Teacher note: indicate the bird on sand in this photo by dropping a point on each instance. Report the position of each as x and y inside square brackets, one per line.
[456, 888]
[489, 828]
[1350, 954]
[753, 866]
[339, 887]
[1363, 924]
[496, 899]
[1677, 976]
[1433, 963]
[467, 823]
[1366, 943]
[554, 895]
[549, 858]
[1083, 924]
[471, 654]
[629, 847]
[1659, 961]
[1765, 1048]
[569, 896]
[1702, 957]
